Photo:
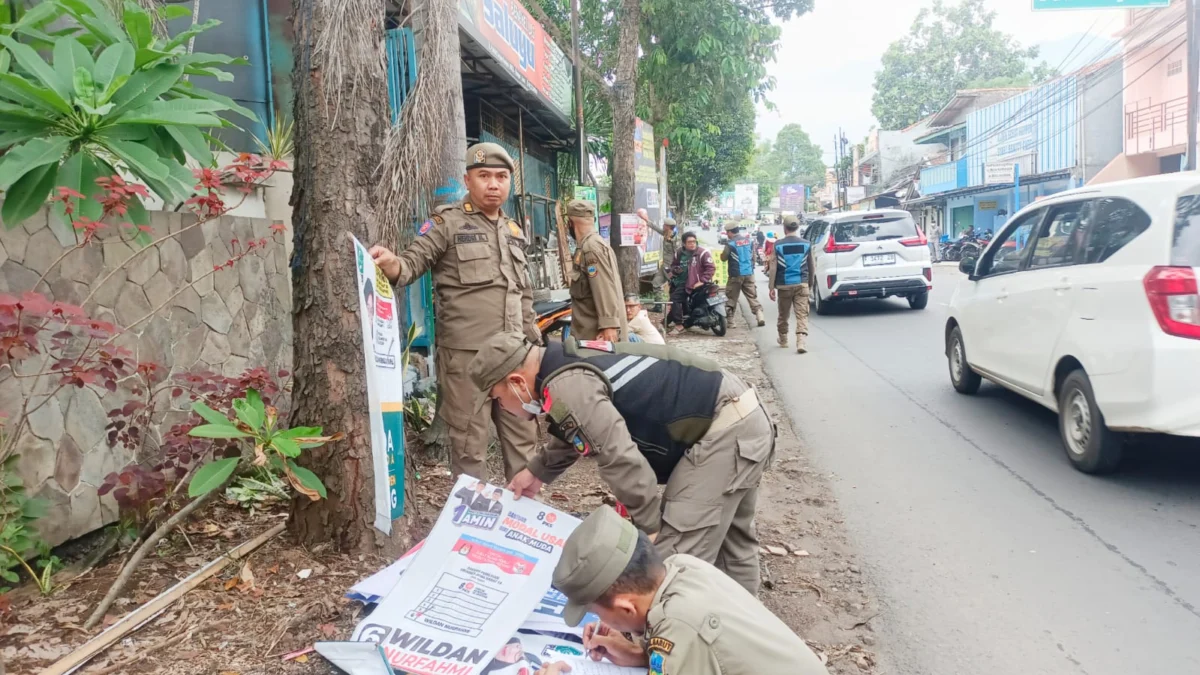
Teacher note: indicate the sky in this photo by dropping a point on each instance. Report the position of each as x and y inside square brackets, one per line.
[826, 64]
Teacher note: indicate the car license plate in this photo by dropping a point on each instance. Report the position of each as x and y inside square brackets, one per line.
[879, 259]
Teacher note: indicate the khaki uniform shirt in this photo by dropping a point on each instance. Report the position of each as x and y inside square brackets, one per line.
[703, 623]
[481, 285]
[596, 299]
[622, 466]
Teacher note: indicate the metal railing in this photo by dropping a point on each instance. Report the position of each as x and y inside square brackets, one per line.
[1152, 126]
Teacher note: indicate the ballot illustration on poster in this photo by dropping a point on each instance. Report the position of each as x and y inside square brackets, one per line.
[379, 313]
[483, 569]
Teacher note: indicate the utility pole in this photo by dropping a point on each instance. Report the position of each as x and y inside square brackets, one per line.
[837, 171]
[579, 128]
[1193, 76]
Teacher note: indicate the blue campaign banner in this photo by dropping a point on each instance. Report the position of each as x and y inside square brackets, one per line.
[1098, 4]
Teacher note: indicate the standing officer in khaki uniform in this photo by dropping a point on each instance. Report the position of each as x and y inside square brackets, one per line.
[739, 253]
[691, 618]
[477, 255]
[670, 235]
[787, 272]
[650, 415]
[597, 305]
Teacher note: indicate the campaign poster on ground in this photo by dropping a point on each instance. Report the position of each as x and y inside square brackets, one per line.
[481, 571]
[745, 200]
[382, 350]
[526, 653]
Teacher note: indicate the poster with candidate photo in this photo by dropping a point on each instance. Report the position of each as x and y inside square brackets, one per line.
[483, 569]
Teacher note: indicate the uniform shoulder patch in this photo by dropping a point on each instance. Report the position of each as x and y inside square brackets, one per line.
[656, 662]
[592, 270]
[661, 644]
[425, 227]
[466, 206]
[438, 219]
[582, 445]
[515, 230]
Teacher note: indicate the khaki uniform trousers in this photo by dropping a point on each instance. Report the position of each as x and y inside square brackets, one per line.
[793, 300]
[467, 422]
[735, 287]
[711, 496]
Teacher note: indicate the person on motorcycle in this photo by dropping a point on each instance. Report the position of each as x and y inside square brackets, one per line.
[691, 270]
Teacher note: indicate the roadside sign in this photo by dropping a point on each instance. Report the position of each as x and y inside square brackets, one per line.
[1098, 4]
[999, 173]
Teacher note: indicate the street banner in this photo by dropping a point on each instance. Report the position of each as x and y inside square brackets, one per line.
[481, 572]
[646, 196]
[521, 47]
[382, 349]
[746, 200]
[791, 198]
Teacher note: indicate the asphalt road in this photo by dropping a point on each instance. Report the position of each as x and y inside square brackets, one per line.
[989, 553]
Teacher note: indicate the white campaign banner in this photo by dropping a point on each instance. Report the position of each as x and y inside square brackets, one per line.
[479, 574]
[379, 312]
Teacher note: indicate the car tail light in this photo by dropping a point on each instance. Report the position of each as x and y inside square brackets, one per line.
[833, 247]
[830, 280]
[1174, 297]
[928, 272]
[918, 240]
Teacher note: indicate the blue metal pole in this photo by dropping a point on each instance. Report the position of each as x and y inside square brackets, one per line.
[266, 36]
[1016, 187]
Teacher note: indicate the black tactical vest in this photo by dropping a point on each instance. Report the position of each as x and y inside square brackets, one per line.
[666, 395]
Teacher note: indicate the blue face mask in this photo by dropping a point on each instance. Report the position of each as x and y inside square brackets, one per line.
[533, 406]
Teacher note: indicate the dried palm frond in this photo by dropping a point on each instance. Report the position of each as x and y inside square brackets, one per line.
[426, 130]
[351, 44]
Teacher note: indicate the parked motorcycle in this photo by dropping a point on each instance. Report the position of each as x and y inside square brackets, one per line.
[707, 309]
[553, 316]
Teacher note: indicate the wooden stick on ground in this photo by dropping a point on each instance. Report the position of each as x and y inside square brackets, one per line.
[141, 615]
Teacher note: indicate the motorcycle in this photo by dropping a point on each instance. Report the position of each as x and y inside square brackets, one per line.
[553, 316]
[707, 309]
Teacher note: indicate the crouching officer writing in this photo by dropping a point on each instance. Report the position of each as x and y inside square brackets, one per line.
[477, 255]
[597, 308]
[650, 415]
[691, 619]
[787, 271]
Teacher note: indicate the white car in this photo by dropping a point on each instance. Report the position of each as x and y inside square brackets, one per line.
[1086, 302]
[868, 254]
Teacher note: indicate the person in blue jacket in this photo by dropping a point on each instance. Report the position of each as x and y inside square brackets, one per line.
[739, 253]
[787, 273]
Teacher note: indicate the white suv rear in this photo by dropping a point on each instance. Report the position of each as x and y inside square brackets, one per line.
[1087, 303]
[868, 254]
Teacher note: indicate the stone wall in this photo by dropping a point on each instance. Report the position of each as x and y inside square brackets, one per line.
[234, 319]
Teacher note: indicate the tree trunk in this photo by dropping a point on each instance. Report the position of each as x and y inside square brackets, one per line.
[624, 115]
[341, 116]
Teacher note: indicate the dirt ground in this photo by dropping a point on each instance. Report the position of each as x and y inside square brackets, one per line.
[255, 617]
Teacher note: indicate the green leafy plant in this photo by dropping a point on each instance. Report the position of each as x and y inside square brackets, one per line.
[274, 448]
[418, 412]
[19, 538]
[257, 491]
[280, 139]
[114, 94]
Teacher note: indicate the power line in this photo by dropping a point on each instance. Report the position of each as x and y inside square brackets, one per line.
[1053, 98]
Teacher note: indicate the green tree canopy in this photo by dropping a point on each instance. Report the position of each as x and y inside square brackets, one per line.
[948, 48]
[728, 132]
[790, 158]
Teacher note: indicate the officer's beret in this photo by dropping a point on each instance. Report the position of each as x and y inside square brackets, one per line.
[731, 226]
[581, 208]
[791, 220]
[592, 560]
[669, 221]
[489, 156]
[502, 355]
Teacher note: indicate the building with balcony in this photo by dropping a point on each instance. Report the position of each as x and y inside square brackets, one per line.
[1028, 144]
[1154, 43]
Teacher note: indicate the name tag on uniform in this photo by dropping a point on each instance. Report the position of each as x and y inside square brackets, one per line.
[479, 238]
